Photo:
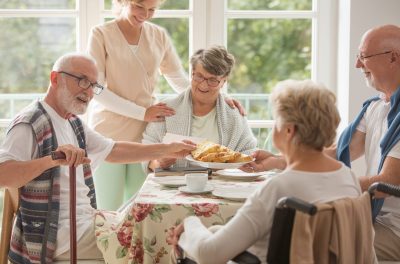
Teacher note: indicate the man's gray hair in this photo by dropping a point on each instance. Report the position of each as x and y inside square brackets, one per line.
[215, 60]
[65, 61]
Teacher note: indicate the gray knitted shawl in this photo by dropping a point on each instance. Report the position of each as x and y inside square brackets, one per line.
[234, 131]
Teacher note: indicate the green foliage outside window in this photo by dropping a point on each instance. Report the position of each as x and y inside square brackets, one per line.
[167, 5]
[268, 51]
[37, 4]
[270, 5]
[178, 29]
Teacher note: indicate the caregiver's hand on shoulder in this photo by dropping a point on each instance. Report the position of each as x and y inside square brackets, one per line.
[158, 112]
[235, 104]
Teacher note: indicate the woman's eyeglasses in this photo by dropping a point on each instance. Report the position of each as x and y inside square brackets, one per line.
[213, 82]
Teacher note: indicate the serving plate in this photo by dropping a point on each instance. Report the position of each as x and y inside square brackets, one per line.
[214, 165]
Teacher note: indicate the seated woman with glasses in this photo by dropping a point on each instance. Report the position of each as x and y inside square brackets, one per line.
[201, 111]
[306, 120]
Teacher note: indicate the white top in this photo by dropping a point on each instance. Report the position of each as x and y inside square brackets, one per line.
[130, 77]
[206, 126]
[374, 124]
[252, 223]
[21, 145]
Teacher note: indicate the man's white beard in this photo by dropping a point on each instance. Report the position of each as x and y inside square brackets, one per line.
[69, 102]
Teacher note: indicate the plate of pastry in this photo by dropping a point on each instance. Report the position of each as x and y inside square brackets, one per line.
[214, 156]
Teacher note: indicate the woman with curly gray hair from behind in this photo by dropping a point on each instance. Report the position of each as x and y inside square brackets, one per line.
[306, 121]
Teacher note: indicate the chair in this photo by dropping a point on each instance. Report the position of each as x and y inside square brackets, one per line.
[10, 207]
[281, 239]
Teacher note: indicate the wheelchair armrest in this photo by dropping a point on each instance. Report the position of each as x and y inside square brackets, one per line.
[385, 188]
[297, 204]
[246, 258]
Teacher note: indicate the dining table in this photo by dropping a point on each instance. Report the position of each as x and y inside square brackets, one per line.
[143, 232]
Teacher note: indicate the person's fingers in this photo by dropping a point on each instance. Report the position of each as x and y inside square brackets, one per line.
[179, 229]
[80, 156]
[242, 111]
[230, 102]
[189, 142]
[247, 167]
[239, 106]
[68, 154]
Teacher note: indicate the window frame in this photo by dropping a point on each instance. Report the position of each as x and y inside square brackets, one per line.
[203, 16]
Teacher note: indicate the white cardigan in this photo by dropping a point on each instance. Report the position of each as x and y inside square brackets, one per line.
[234, 131]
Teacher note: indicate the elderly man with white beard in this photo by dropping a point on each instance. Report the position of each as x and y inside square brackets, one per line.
[41, 230]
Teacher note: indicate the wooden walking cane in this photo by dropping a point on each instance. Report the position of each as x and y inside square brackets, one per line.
[72, 206]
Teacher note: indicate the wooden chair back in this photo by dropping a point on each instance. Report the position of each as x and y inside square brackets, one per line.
[10, 207]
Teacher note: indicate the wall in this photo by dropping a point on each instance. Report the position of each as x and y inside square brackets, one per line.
[354, 18]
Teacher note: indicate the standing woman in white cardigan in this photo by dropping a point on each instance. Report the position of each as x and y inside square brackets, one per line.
[130, 52]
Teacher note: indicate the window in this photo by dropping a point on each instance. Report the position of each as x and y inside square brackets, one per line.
[272, 40]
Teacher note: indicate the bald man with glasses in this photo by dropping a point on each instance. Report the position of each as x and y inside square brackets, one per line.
[375, 133]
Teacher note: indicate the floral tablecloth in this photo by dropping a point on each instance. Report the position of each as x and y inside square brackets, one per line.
[143, 233]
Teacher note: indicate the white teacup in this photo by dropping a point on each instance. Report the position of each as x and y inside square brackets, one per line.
[196, 182]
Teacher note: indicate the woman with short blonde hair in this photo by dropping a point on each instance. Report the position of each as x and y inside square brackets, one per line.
[311, 107]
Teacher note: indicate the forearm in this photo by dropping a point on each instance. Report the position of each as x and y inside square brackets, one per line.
[199, 243]
[366, 181]
[131, 152]
[276, 162]
[15, 174]
[388, 174]
[178, 80]
[120, 105]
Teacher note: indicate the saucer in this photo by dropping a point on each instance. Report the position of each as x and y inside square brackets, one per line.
[185, 189]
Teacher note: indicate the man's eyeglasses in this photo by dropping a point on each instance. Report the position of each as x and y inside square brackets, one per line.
[213, 82]
[84, 83]
[362, 58]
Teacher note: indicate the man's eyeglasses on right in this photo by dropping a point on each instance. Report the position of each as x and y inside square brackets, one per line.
[362, 58]
[84, 83]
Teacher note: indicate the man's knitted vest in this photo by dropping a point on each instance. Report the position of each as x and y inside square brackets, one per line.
[34, 234]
